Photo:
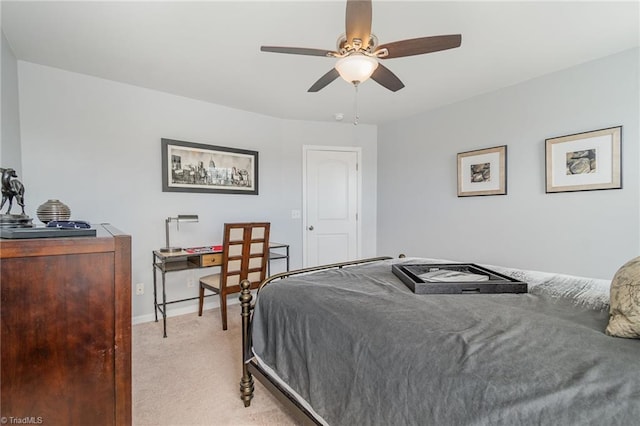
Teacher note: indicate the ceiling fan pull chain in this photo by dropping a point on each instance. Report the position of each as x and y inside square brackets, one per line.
[355, 105]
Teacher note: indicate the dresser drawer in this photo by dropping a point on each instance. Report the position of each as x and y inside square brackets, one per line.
[213, 259]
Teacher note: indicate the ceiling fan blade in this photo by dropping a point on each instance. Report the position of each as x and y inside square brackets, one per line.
[358, 21]
[324, 80]
[383, 76]
[297, 51]
[419, 46]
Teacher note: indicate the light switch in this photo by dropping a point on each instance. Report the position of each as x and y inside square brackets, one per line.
[296, 214]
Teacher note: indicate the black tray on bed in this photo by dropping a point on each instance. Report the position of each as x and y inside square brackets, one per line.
[455, 278]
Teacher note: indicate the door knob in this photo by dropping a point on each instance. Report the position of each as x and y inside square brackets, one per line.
[310, 228]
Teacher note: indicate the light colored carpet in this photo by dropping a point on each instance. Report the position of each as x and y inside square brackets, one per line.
[192, 377]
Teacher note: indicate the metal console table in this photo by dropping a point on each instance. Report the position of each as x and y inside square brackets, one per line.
[183, 260]
[277, 251]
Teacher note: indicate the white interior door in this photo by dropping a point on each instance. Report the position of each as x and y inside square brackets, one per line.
[331, 205]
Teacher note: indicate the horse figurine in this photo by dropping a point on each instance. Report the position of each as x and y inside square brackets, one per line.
[11, 188]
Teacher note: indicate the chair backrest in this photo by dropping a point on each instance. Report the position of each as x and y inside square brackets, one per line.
[245, 254]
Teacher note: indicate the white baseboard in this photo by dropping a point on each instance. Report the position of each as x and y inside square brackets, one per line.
[174, 312]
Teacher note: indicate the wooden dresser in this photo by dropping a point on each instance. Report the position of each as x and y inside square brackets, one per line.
[66, 329]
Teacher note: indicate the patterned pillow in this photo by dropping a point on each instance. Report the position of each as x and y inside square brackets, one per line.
[624, 313]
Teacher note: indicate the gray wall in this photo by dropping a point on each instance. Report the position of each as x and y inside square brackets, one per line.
[95, 145]
[581, 233]
[10, 152]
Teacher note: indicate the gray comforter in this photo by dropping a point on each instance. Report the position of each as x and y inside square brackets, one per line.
[362, 349]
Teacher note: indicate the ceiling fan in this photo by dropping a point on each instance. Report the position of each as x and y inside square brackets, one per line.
[358, 50]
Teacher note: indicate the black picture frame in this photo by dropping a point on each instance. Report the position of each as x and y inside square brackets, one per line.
[196, 167]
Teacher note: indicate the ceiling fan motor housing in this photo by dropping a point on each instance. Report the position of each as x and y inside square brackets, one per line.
[345, 49]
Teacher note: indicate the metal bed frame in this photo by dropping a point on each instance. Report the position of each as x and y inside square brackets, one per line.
[250, 366]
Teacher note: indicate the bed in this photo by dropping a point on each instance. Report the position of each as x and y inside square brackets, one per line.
[349, 344]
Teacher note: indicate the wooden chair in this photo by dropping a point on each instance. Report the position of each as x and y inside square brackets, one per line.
[245, 252]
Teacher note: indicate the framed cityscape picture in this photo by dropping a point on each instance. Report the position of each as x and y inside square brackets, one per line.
[584, 161]
[194, 167]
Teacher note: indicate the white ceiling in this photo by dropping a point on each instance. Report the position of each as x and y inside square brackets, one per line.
[210, 50]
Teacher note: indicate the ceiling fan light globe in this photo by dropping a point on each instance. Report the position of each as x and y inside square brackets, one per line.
[356, 67]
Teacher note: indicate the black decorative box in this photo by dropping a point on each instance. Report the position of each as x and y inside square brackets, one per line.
[455, 278]
[28, 233]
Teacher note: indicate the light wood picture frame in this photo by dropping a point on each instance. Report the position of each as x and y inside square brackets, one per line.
[584, 161]
[482, 172]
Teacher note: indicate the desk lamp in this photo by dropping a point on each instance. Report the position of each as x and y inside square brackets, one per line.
[178, 219]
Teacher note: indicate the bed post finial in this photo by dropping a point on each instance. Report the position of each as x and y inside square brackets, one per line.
[246, 382]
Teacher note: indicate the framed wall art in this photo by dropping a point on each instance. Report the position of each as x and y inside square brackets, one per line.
[584, 161]
[194, 167]
[482, 172]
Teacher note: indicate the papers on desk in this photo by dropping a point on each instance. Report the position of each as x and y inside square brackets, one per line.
[205, 249]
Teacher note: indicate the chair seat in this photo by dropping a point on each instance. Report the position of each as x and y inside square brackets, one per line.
[212, 282]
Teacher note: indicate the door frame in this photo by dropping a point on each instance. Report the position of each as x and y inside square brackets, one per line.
[358, 151]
